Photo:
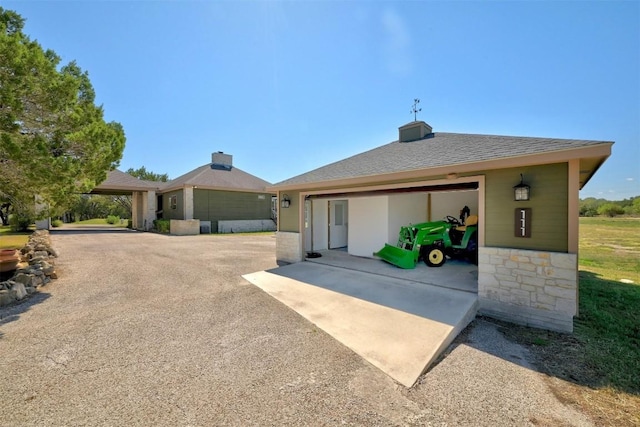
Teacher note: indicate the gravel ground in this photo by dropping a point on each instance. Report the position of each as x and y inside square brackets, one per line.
[145, 329]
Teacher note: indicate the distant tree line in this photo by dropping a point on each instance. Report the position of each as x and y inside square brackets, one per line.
[602, 207]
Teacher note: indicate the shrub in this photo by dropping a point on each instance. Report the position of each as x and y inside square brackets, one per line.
[112, 219]
[161, 225]
[56, 223]
[20, 221]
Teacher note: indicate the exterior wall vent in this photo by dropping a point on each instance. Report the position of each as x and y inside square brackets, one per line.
[414, 131]
[221, 161]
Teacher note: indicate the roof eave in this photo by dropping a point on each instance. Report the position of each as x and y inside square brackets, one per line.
[602, 150]
[214, 188]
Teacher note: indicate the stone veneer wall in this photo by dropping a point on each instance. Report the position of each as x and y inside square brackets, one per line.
[246, 225]
[184, 227]
[533, 288]
[288, 247]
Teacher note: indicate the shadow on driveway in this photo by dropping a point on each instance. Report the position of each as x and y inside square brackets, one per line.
[12, 312]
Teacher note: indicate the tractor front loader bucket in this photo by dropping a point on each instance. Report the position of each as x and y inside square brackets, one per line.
[399, 257]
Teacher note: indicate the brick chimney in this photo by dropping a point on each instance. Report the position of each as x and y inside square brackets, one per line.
[414, 131]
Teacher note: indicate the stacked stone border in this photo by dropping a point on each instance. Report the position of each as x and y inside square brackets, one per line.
[35, 270]
[532, 288]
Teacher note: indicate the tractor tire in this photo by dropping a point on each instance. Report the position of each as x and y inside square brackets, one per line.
[434, 256]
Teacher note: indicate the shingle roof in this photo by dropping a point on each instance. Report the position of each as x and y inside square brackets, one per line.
[118, 180]
[206, 177]
[436, 150]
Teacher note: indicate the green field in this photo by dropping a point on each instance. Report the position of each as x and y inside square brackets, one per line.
[610, 247]
[609, 319]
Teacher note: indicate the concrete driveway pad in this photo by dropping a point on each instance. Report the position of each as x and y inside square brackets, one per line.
[398, 326]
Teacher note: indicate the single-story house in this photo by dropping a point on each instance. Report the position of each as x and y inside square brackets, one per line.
[219, 196]
[527, 249]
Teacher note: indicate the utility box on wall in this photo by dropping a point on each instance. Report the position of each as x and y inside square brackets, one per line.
[522, 222]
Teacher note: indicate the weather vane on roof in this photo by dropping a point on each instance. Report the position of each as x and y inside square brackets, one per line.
[415, 110]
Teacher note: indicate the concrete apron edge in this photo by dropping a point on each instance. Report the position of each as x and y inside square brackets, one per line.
[401, 344]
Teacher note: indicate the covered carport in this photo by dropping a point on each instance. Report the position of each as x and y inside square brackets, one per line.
[143, 196]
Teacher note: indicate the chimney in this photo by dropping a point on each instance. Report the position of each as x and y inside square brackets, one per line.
[221, 161]
[414, 131]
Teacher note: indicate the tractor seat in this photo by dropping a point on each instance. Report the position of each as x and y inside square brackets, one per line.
[471, 220]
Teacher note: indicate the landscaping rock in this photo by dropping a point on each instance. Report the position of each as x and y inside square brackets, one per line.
[5, 297]
[19, 291]
[36, 270]
[25, 279]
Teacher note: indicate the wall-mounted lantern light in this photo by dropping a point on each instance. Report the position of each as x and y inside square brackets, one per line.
[286, 201]
[521, 191]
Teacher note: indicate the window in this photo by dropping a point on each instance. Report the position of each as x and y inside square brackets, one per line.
[173, 202]
[339, 214]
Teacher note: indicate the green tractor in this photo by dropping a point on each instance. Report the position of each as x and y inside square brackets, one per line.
[433, 242]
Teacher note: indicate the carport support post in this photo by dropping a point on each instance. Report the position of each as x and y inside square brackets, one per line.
[149, 209]
[135, 210]
[188, 202]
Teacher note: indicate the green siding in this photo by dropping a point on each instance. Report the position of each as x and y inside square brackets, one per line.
[215, 205]
[178, 212]
[549, 204]
[289, 218]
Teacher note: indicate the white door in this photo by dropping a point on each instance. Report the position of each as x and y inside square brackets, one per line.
[338, 223]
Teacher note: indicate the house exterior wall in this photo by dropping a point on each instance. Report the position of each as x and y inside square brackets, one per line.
[217, 205]
[450, 202]
[167, 211]
[549, 204]
[290, 218]
[534, 288]
[368, 222]
[404, 209]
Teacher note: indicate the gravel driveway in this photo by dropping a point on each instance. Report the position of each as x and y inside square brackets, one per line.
[146, 329]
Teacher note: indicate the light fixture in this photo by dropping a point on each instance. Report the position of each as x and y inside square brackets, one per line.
[521, 191]
[286, 201]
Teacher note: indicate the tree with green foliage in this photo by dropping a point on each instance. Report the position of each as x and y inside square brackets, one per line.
[143, 173]
[610, 209]
[634, 208]
[589, 206]
[54, 141]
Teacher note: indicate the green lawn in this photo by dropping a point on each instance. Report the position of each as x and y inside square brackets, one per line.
[102, 221]
[609, 319]
[12, 240]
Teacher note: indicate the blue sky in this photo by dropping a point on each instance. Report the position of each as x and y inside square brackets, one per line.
[286, 87]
